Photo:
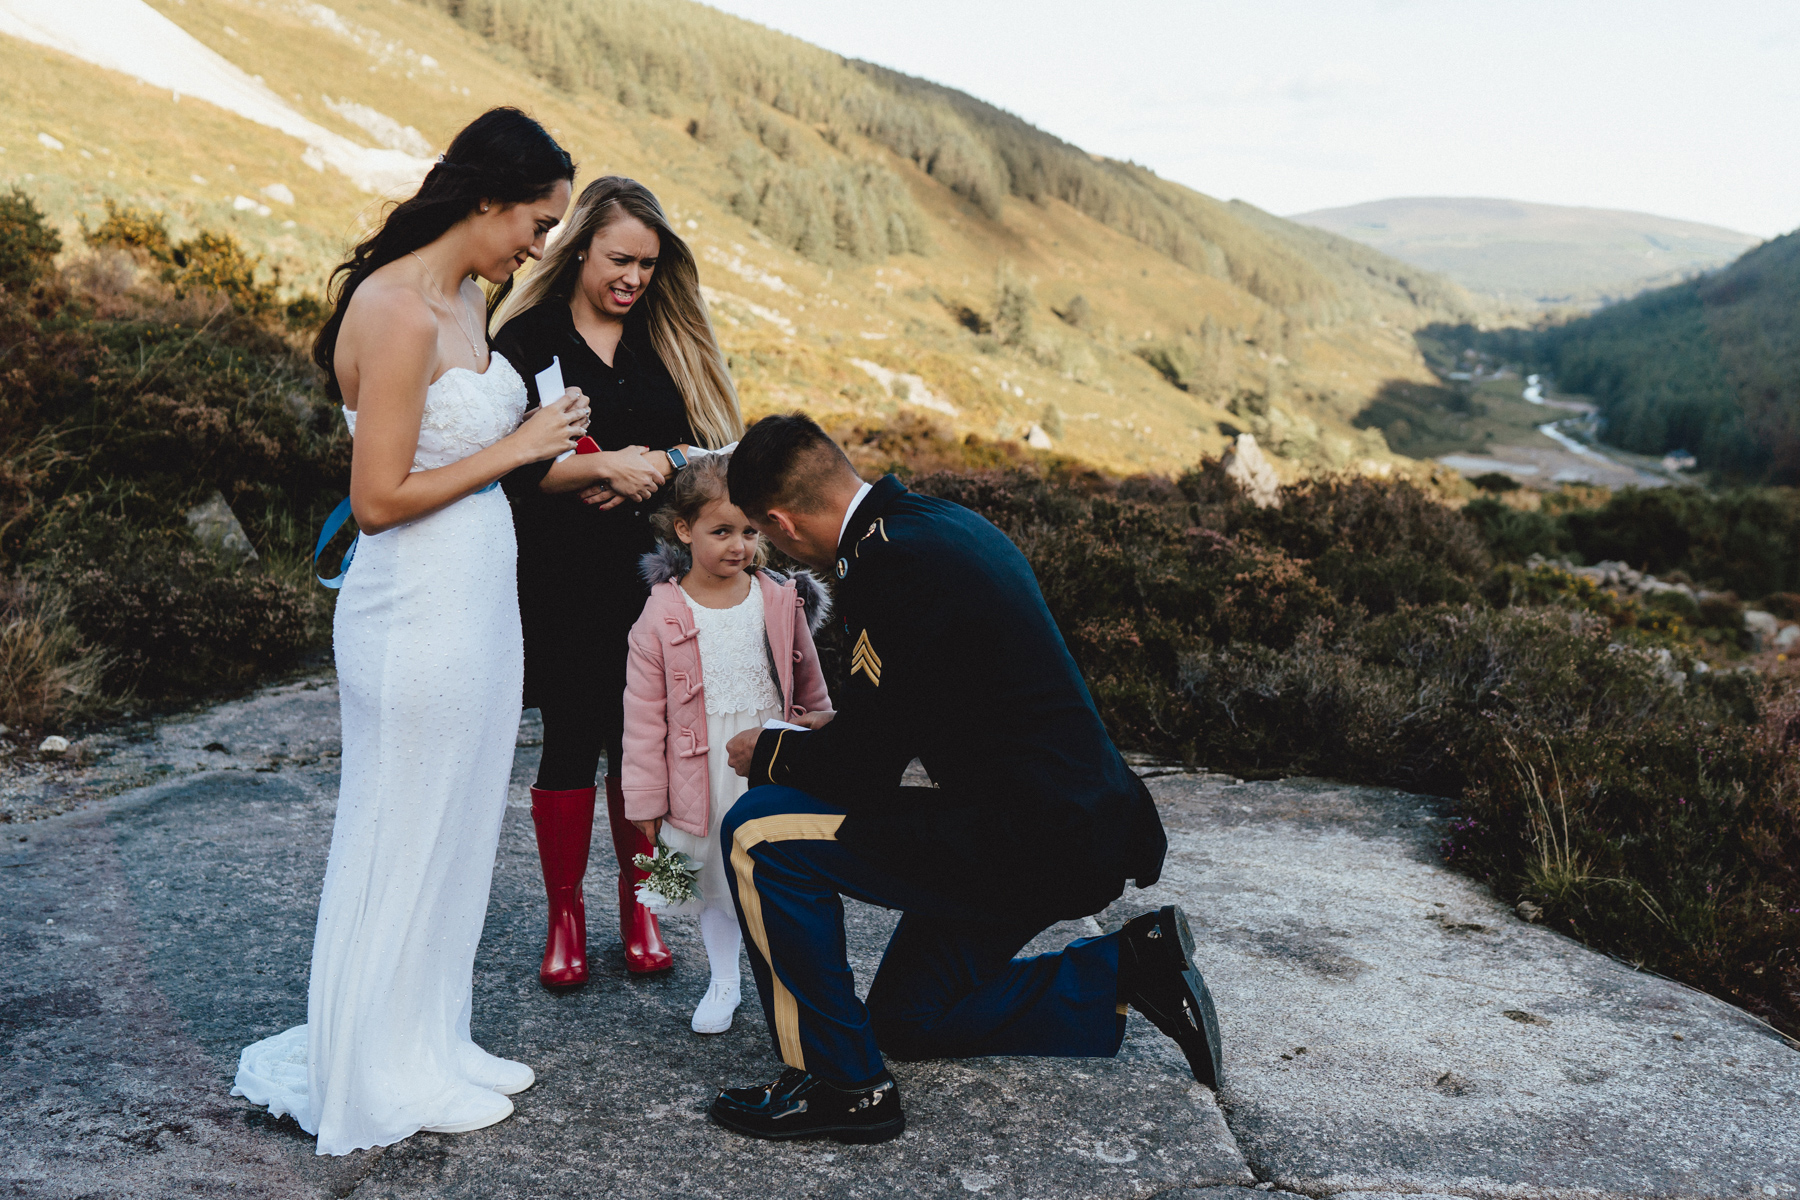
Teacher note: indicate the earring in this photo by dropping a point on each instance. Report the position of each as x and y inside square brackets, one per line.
[581, 258]
[484, 208]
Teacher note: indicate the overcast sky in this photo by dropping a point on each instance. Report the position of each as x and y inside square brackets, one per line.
[1685, 109]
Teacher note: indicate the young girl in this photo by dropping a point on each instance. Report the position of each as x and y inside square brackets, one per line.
[722, 646]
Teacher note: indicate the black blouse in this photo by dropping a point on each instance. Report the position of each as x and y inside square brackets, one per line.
[579, 588]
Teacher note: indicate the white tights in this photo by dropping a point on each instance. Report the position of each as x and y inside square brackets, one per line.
[719, 930]
[718, 921]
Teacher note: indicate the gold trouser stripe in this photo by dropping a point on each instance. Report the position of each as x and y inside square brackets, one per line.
[783, 827]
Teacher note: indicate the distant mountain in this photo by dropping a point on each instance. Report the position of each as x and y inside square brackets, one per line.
[871, 243]
[1535, 254]
[1711, 366]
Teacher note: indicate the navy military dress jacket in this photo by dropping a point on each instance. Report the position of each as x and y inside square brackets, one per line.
[956, 660]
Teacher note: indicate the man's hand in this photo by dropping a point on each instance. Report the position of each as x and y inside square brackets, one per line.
[741, 749]
[601, 494]
[815, 720]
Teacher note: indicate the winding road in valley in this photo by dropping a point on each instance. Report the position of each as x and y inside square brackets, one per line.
[1561, 457]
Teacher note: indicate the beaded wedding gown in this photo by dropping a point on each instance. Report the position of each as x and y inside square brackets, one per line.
[430, 665]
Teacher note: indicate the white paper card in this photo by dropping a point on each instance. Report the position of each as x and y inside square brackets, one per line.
[550, 387]
[550, 382]
[772, 723]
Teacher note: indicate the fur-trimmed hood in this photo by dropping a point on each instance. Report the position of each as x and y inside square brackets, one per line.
[668, 563]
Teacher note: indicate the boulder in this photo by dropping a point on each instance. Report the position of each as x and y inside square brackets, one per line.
[1763, 626]
[216, 527]
[1247, 466]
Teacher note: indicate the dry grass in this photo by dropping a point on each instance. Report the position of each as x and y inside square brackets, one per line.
[47, 674]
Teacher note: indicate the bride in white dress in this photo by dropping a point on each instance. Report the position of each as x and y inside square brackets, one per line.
[429, 655]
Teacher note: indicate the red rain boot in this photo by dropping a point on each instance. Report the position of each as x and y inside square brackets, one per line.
[565, 826]
[644, 948]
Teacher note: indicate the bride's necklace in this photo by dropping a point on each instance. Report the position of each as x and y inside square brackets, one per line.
[455, 314]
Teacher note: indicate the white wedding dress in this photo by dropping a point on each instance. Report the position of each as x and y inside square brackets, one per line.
[430, 665]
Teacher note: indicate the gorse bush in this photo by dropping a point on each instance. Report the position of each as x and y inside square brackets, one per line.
[208, 263]
[27, 245]
[129, 394]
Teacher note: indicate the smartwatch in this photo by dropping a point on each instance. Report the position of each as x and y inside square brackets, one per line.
[677, 459]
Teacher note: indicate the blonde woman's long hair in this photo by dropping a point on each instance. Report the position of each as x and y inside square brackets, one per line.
[680, 329]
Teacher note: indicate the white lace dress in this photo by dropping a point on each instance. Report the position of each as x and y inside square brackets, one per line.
[430, 665]
[740, 695]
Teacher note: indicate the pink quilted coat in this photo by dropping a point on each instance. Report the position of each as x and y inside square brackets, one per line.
[664, 772]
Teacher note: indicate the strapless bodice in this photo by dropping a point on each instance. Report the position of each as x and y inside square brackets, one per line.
[465, 411]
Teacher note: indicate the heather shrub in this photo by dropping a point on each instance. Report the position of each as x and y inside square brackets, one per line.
[128, 399]
[1362, 631]
[176, 621]
[1673, 843]
[1744, 540]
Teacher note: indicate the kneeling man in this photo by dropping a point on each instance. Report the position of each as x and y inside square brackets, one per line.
[1035, 819]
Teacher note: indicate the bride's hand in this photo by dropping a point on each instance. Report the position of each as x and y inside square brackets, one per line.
[630, 472]
[555, 427]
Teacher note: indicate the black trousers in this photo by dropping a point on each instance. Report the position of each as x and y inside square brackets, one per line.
[577, 732]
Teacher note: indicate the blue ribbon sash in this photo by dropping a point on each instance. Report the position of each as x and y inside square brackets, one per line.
[335, 522]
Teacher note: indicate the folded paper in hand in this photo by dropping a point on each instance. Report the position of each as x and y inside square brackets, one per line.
[550, 388]
[772, 723]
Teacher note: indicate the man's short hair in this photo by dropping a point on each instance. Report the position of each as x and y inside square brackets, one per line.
[785, 462]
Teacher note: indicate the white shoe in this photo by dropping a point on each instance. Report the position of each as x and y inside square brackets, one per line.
[717, 1006]
[481, 1109]
[486, 1070]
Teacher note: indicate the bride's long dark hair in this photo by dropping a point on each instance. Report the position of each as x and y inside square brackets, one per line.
[502, 156]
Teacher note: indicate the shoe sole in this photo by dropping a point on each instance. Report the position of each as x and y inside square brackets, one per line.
[853, 1135]
[469, 1126]
[711, 1029]
[560, 986]
[505, 1091]
[1196, 1028]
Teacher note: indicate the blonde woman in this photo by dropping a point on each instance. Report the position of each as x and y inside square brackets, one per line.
[617, 302]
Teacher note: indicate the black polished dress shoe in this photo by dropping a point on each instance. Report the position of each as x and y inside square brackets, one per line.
[1157, 977]
[800, 1105]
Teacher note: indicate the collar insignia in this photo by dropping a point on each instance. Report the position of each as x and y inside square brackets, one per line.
[880, 526]
[843, 567]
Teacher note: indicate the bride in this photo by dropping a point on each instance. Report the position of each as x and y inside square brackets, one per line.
[428, 651]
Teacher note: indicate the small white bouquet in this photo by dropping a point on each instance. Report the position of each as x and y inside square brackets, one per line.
[672, 886]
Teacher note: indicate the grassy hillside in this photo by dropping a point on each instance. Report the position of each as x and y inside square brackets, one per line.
[1712, 366]
[1535, 254]
[852, 224]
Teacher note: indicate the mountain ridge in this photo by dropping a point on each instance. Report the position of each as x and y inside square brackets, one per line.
[1526, 253]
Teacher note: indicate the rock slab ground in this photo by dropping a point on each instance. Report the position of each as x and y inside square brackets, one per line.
[1390, 1028]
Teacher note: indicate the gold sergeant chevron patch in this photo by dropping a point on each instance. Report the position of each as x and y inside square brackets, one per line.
[863, 658]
